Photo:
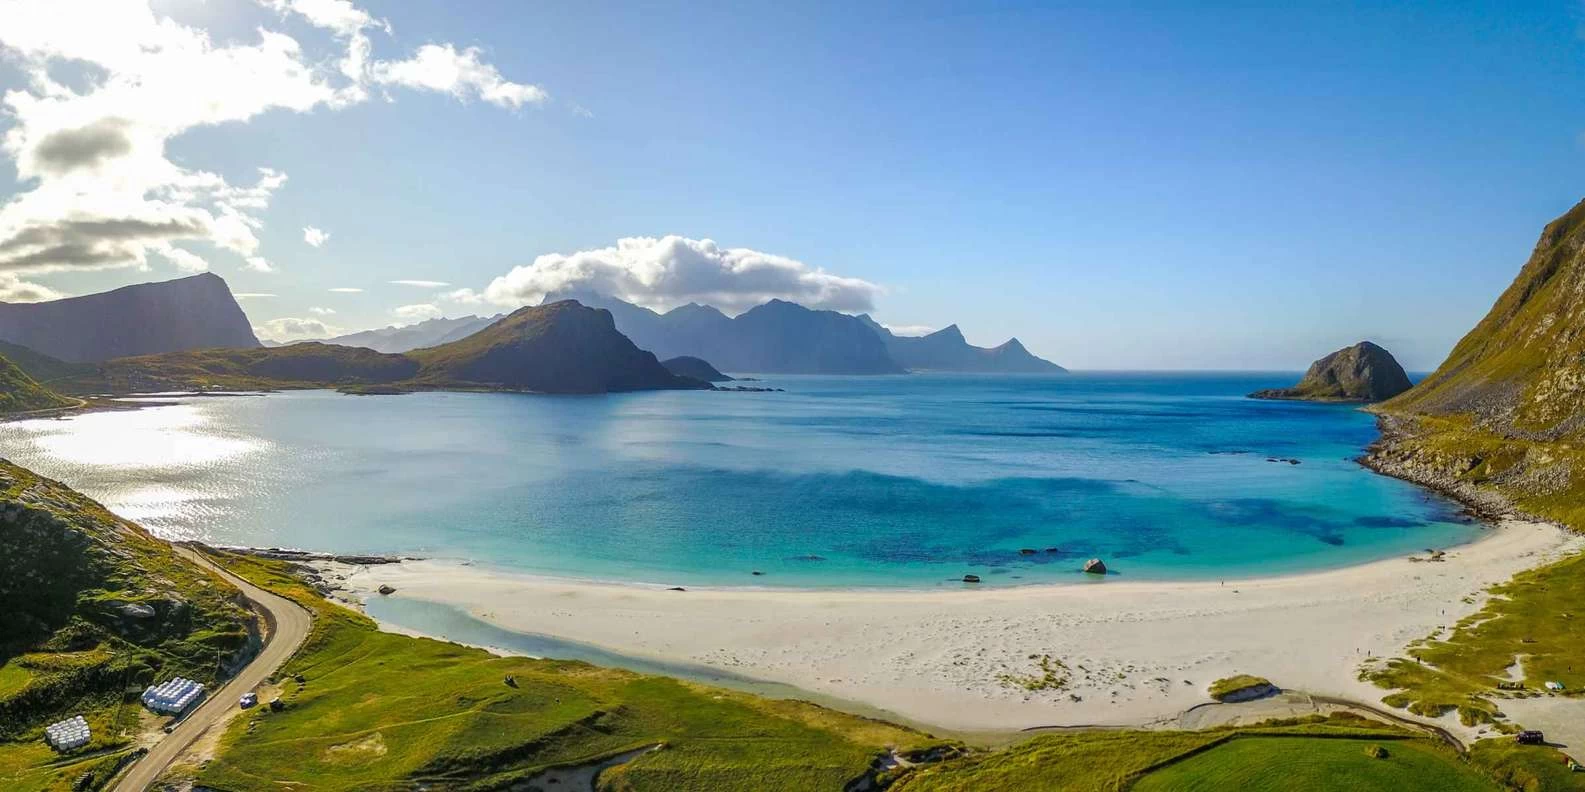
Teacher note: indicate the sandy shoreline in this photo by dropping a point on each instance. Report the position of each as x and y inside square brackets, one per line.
[1138, 652]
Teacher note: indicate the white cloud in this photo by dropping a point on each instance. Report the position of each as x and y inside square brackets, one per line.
[423, 284]
[347, 290]
[251, 295]
[97, 185]
[444, 68]
[185, 260]
[665, 272]
[315, 237]
[258, 264]
[463, 296]
[295, 329]
[418, 313]
[909, 330]
[14, 289]
[318, 311]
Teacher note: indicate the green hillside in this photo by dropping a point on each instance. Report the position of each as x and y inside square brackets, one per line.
[1505, 414]
[20, 393]
[298, 365]
[563, 347]
[41, 367]
[94, 607]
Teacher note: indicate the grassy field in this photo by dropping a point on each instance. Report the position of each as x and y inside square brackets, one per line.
[1279, 764]
[1539, 616]
[1222, 688]
[376, 710]
[1098, 761]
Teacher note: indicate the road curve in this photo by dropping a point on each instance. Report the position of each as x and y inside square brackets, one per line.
[288, 626]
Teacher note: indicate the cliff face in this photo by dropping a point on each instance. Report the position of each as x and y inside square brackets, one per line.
[149, 318]
[563, 347]
[1505, 413]
[1363, 372]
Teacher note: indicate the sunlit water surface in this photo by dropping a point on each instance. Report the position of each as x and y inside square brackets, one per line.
[839, 481]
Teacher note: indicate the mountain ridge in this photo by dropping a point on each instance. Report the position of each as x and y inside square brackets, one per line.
[194, 312]
[947, 350]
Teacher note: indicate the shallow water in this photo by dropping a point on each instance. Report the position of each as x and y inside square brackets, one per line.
[839, 481]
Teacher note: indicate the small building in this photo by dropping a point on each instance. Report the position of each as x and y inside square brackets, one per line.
[68, 735]
[172, 696]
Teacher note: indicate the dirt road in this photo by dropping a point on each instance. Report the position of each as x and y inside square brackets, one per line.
[288, 626]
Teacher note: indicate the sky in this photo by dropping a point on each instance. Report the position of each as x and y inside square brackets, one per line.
[1119, 185]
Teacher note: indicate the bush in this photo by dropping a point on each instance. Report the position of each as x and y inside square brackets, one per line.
[1376, 752]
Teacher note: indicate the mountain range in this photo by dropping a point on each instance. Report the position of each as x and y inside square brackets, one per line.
[148, 318]
[947, 350]
[404, 338]
[781, 337]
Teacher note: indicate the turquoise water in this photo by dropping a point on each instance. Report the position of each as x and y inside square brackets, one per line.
[839, 481]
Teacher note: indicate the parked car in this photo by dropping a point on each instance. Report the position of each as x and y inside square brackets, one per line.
[1529, 737]
[249, 699]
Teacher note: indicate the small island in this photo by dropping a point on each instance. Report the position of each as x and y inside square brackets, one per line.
[1363, 372]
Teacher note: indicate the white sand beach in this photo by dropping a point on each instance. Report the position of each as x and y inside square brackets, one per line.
[1138, 652]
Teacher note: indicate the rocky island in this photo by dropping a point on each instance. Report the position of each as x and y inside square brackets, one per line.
[1363, 372]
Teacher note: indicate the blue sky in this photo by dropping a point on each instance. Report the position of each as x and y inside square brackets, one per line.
[1119, 186]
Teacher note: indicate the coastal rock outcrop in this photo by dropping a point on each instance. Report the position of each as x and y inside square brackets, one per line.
[1363, 372]
[1095, 566]
[698, 368]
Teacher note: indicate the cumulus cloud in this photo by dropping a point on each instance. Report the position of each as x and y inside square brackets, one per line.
[90, 127]
[418, 313]
[14, 289]
[461, 73]
[185, 260]
[295, 329]
[315, 237]
[318, 311]
[422, 284]
[665, 272]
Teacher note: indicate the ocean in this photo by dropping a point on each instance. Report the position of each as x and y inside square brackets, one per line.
[893, 481]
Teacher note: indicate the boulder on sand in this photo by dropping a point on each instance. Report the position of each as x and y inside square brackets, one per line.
[387, 590]
[1095, 566]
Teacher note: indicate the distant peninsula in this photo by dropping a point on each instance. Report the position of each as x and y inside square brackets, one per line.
[1363, 372]
[563, 347]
